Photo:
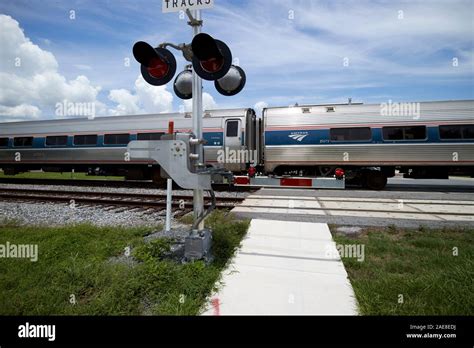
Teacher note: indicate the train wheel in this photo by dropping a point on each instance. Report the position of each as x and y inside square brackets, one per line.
[375, 180]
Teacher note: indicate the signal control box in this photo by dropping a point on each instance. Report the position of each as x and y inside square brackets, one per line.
[175, 153]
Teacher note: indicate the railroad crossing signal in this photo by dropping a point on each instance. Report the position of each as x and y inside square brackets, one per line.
[211, 60]
[158, 65]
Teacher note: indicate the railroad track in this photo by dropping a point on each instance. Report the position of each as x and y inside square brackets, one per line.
[412, 186]
[80, 183]
[108, 184]
[113, 200]
[334, 209]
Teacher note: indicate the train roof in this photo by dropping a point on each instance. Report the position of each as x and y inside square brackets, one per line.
[355, 104]
[144, 117]
[332, 109]
[382, 113]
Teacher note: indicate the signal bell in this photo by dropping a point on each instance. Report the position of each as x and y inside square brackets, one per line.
[158, 65]
[212, 58]
[232, 83]
[183, 84]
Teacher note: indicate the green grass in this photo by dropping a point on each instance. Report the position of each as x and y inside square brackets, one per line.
[82, 261]
[59, 176]
[417, 264]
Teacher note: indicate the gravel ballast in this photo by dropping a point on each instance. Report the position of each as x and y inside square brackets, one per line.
[57, 214]
[48, 214]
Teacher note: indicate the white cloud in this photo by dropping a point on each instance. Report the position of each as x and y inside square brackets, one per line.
[20, 112]
[259, 107]
[145, 99]
[29, 77]
[155, 99]
[32, 86]
[127, 102]
[208, 103]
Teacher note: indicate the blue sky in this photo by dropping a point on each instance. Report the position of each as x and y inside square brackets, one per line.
[292, 51]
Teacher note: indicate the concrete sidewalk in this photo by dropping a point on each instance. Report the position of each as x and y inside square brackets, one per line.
[282, 268]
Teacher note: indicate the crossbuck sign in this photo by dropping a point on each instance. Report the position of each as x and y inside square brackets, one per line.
[183, 5]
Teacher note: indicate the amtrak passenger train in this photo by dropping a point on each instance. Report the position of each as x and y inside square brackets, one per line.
[369, 143]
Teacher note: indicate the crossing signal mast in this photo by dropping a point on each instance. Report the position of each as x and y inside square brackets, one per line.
[208, 59]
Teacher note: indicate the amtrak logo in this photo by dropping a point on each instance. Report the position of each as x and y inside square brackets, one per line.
[298, 136]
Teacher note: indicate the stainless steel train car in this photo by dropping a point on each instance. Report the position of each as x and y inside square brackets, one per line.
[99, 145]
[368, 143]
[422, 140]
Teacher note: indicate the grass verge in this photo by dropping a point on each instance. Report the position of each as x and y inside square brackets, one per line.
[82, 270]
[413, 272]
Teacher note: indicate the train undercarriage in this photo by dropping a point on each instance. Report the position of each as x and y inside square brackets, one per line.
[373, 178]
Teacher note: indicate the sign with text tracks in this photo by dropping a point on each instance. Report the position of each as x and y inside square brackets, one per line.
[182, 5]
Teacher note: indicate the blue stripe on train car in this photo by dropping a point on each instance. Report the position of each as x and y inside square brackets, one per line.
[322, 137]
[213, 139]
[296, 137]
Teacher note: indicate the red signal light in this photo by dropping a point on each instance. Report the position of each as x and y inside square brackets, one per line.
[211, 58]
[157, 68]
[252, 171]
[212, 65]
[158, 65]
[339, 172]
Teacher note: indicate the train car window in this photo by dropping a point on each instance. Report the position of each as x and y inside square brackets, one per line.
[450, 132]
[392, 133]
[404, 133]
[465, 131]
[232, 129]
[468, 132]
[85, 140]
[56, 140]
[3, 142]
[414, 133]
[351, 134]
[116, 139]
[23, 142]
[149, 136]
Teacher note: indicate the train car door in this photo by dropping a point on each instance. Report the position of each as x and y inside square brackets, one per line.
[233, 146]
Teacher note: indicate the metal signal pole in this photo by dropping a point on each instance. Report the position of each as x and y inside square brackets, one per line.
[197, 123]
